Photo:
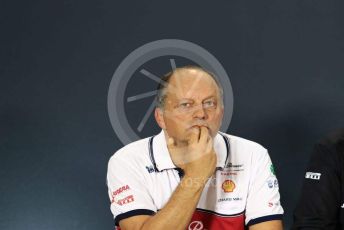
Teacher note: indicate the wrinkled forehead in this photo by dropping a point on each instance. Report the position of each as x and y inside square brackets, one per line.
[191, 83]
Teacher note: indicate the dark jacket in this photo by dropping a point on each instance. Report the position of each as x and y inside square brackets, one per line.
[321, 205]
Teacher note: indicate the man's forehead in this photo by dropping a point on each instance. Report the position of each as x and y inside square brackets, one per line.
[188, 81]
[191, 84]
[189, 73]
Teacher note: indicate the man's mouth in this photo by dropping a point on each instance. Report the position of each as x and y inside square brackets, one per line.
[198, 126]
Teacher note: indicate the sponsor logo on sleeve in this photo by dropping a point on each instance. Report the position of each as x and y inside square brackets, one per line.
[272, 170]
[126, 200]
[313, 175]
[272, 183]
[271, 204]
[276, 183]
[228, 186]
[119, 191]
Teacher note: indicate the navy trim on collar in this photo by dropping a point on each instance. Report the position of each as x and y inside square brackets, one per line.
[227, 147]
[151, 155]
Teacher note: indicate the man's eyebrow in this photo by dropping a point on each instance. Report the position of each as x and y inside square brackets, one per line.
[190, 99]
[212, 96]
[185, 99]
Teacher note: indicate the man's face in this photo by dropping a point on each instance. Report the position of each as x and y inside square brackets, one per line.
[192, 100]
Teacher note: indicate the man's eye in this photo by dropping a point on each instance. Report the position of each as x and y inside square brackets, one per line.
[208, 104]
[185, 105]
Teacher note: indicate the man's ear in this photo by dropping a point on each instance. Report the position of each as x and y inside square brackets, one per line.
[159, 117]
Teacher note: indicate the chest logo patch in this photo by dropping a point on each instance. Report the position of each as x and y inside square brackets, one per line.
[228, 186]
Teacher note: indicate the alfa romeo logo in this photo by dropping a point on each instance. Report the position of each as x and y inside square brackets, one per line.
[196, 225]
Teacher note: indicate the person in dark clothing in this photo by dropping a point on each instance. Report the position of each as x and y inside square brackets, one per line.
[321, 205]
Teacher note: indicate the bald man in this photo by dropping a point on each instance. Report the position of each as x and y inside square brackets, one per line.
[190, 175]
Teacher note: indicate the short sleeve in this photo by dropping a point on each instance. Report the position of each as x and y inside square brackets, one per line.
[320, 200]
[128, 191]
[263, 201]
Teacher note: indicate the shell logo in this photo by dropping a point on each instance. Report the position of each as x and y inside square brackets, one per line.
[228, 186]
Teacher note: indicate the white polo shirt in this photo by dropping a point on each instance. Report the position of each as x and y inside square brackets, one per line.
[243, 191]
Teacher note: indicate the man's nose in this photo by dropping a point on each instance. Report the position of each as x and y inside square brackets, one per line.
[199, 112]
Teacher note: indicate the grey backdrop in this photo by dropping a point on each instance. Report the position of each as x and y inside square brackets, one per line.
[57, 58]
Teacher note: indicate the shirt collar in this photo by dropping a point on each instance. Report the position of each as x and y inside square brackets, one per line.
[161, 158]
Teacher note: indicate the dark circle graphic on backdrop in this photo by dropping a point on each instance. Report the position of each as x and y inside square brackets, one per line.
[132, 90]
